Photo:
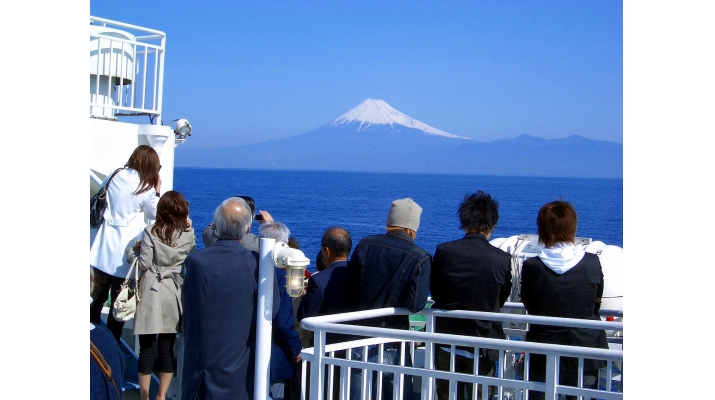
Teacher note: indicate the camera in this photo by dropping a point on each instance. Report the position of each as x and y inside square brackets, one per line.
[258, 217]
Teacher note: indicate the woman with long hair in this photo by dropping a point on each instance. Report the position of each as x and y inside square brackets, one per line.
[132, 195]
[164, 247]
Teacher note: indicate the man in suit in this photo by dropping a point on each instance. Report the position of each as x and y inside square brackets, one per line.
[470, 274]
[326, 291]
[219, 311]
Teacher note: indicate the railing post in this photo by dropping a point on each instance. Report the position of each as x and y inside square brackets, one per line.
[264, 318]
[304, 376]
[399, 378]
[428, 383]
[345, 378]
[159, 92]
[500, 372]
[316, 368]
[551, 376]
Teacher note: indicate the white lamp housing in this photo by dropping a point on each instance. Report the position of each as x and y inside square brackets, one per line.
[294, 262]
[183, 129]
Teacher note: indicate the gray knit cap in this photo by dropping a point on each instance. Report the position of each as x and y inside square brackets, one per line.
[404, 213]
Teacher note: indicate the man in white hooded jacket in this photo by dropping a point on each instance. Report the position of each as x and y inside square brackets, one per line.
[562, 281]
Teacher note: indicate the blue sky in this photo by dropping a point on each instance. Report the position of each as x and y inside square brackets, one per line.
[244, 72]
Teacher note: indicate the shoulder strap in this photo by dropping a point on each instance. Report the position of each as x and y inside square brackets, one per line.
[112, 177]
[103, 365]
[128, 280]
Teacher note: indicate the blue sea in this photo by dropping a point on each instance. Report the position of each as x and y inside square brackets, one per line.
[308, 202]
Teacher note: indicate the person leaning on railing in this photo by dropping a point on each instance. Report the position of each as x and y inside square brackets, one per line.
[389, 270]
[562, 281]
[470, 274]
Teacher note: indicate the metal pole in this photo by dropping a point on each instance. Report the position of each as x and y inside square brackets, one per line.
[264, 318]
[317, 368]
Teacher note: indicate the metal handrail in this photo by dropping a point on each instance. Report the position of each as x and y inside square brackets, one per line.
[322, 355]
[106, 22]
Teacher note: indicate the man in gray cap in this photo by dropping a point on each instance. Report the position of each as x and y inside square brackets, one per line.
[390, 270]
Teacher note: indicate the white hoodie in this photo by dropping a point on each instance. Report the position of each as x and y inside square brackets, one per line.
[562, 256]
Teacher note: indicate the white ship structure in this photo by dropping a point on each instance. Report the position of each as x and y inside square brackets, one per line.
[126, 69]
[126, 77]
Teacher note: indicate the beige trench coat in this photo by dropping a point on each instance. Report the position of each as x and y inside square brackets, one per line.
[159, 307]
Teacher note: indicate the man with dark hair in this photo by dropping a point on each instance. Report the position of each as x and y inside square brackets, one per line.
[563, 281]
[389, 270]
[219, 311]
[326, 291]
[470, 274]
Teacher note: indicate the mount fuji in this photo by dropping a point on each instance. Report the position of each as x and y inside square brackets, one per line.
[375, 137]
[378, 115]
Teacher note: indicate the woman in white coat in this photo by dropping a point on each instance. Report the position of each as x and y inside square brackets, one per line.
[164, 247]
[132, 194]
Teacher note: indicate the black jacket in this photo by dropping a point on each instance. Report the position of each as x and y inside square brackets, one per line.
[325, 295]
[470, 274]
[574, 294]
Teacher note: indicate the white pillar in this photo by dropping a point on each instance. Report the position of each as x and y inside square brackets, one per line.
[264, 318]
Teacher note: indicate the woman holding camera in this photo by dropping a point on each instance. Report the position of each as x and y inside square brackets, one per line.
[132, 194]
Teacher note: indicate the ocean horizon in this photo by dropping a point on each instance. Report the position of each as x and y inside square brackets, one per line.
[308, 202]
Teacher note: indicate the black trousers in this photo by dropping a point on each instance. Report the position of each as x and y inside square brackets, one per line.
[568, 375]
[159, 347]
[294, 384]
[103, 285]
[464, 365]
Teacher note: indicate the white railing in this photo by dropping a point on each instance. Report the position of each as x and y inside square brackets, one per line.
[126, 69]
[506, 381]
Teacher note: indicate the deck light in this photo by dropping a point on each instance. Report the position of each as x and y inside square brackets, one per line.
[183, 128]
[294, 262]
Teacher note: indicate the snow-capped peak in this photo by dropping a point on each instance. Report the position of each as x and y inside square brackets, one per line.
[375, 112]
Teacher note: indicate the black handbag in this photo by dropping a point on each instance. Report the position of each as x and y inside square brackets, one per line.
[98, 203]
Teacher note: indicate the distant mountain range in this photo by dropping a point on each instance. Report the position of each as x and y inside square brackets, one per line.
[374, 137]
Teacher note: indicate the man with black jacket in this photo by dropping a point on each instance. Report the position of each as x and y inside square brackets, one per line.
[470, 274]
